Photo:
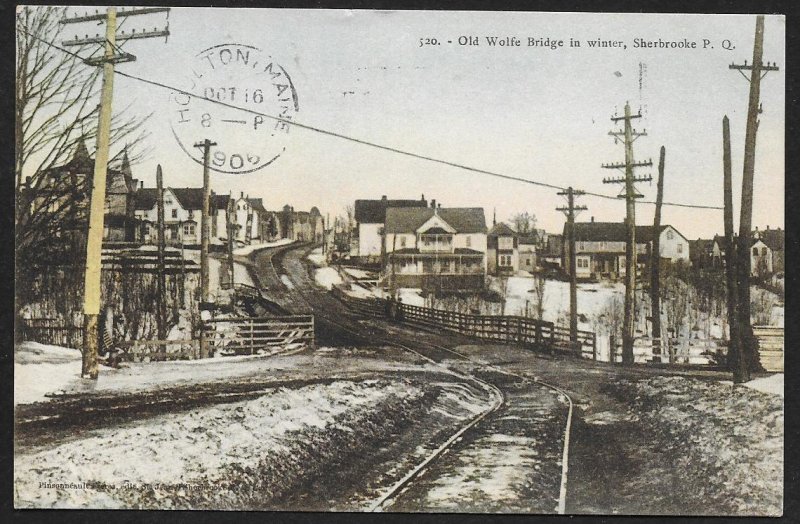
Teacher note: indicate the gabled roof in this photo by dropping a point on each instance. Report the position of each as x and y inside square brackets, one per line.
[257, 204]
[773, 238]
[501, 229]
[613, 232]
[189, 197]
[409, 219]
[146, 198]
[374, 211]
[219, 201]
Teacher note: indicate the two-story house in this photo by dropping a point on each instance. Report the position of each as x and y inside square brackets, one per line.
[370, 216]
[435, 248]
[182, 207]
[600, 247]
[502, 253]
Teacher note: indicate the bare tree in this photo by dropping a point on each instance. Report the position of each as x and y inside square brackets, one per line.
[524, 222]
[538, 295]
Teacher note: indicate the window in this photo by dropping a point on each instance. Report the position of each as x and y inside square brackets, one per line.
[764, 251]
[680, 248]
[669, 234]
[174, 213]
[445, 266]
[755, 251]
[528, 262]
[505, 260]
[402, 241]
[469, 241]
[188, 229]
[191, 214]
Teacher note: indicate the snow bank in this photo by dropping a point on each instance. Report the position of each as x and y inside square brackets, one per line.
[246, 250]
[359, 273]
[40, 369]
[772, 384]
[316, 257]
[161, 460]
[725, 444]
[327, 277]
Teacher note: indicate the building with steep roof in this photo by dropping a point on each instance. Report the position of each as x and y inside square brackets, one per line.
[435, 248]
[502, 253]
[370, 216]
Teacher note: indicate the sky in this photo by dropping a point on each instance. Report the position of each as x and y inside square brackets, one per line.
[526, 111]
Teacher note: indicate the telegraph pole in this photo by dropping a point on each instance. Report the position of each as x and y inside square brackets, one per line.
[655, 262]
[630, 194]
[205, 224]
[161, 314]
[111, 55]
[737, 360]
[231, 223]
[757, 71]
[570, 211]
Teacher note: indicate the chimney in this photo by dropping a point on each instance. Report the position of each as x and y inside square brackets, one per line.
[383, 198]
[241, 194]
[767, 227]
[592, 220]
[440, 205]
[433, 203]
[141, 184]
[423, 197]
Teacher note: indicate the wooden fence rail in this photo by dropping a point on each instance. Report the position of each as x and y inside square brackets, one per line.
[529, 332]
[249, 335]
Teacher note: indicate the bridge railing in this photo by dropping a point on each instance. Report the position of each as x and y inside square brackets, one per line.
[528, 332]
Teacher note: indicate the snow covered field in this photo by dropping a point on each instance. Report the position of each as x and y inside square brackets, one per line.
[327, 277]
[191, 459]
[40, 369]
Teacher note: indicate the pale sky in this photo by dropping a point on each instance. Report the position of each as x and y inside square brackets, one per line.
[524, 111]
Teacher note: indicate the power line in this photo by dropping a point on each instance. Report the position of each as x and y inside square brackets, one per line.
[365, 142]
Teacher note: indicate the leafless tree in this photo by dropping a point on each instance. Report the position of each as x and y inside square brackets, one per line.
[524, 222]
[538, 295]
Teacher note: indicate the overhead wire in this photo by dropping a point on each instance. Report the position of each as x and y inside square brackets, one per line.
[362, 141]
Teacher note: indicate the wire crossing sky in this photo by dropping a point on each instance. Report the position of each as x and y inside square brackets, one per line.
[528, 110]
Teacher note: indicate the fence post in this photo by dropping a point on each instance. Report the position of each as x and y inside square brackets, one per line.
[252, 340]
[594, 347]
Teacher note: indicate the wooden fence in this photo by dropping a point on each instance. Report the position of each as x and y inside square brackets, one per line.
[246, 336]
[529, 332]
[770, 347]
[51, 331]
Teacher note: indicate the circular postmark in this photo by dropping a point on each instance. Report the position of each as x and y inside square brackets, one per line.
[236, 88]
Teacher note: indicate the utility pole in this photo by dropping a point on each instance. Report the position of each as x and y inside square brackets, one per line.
[758, 70]
[737, 360]
[94, 243]
[161, 315]
[655, 262]
[205, 226]
[630, 194]
[231, 223]
[570, 211]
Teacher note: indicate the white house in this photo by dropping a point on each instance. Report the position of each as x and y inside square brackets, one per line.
[181, 214]
[370, 216]
[435, 248]
[600, 247]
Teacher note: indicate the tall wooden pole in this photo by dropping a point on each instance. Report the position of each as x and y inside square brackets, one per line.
[630, 245]
[161, 315]
[747, 340]
[231, 223]
[570, 210]
[205, 225]
[737, 362]
[94, 243]
[655, 262]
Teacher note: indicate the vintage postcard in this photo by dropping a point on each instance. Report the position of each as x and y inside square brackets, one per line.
[399, 261]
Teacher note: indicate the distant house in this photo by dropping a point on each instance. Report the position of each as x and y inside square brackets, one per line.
[302, 226]
[435, 248]
[767, 251]
[370, 216]
[502, 254]
[70, 183]
[529, 245]
[551, 257]
[701, 253]
[600, 247]
[182, 213]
